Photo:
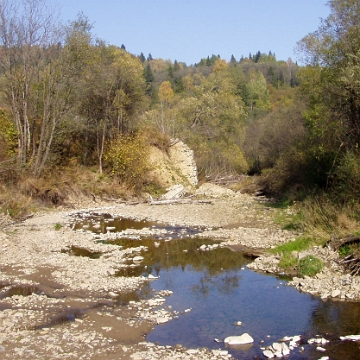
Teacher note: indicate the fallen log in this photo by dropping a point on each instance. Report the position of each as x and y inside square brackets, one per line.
[335, 244]
[178, 201]
[126, 202]
[350, 262]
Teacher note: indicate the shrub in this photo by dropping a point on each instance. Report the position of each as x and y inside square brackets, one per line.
[288, 262]
[310, 266]
[127, 157]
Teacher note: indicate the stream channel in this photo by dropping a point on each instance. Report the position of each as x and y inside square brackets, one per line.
[221, 291]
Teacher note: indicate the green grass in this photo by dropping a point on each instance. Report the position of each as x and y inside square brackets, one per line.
[288, 261]
[348, 249]
[286, 217]
[299, 244]
[294, 223]
[281, 204]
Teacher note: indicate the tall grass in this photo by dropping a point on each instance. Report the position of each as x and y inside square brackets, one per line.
[325, 218]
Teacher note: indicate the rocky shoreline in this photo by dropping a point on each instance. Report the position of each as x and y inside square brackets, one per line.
[35, 262]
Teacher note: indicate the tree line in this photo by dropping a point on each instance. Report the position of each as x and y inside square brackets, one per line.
[67, 98]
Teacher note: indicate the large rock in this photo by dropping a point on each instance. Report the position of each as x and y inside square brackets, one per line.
[177, 166]
[183, 159]
[173, 192]
[239, 340]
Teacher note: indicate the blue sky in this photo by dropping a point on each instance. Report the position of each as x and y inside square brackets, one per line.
[188, 30]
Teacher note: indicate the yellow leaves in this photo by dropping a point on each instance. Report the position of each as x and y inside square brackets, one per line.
[220, 64]
[8, 135]
[166, 92]
[127, 156]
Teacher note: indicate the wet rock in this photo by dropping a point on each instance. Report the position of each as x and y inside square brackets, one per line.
[266, 263]
[321, 341]
[162, 320]
[269, 354]
[321, 349]
[152, 277]
[239, 340]
[350, 337]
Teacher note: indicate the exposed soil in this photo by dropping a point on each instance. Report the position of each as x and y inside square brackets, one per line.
[55, 305]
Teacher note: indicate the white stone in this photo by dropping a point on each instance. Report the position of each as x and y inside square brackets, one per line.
[268, 353]
[192, 351]
[277, 347]
[220, 352]
[319, 348]
[138, 258]
[174, 192]
[335, 293]
[151, 276]
[239, 340]
[285, 349]
[350, 337]
[162, 320]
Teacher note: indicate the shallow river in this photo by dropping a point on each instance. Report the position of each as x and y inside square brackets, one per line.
[221, 291]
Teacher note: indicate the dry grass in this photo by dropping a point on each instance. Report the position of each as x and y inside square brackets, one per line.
[324, 219]
[62, 187]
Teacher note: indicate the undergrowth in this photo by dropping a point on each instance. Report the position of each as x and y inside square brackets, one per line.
[319, 218]
[63, 187]
[310, 266]
[288, 259]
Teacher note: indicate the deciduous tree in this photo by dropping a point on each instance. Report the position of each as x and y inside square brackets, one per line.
[29, 34]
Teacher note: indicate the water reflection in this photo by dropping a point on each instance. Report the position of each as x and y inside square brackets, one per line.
[336, 318]
[221, 291]
[103, 222]
[226, 283]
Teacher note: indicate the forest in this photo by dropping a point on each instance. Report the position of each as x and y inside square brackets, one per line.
[75, 110]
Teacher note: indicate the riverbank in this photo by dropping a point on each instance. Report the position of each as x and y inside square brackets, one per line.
[35, 260]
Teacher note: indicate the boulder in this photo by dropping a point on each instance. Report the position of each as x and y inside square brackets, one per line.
[268, 353]
[174, 192]
[239, 340]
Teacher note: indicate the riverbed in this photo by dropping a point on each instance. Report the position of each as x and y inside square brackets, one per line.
[177, 302]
